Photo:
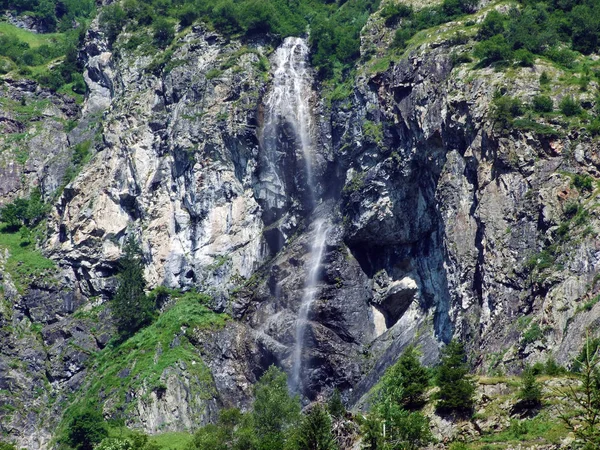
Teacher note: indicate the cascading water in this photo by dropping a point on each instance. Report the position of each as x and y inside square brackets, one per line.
[310, 287]
[288, 104]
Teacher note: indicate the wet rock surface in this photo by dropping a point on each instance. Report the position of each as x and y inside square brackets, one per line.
[438, 226]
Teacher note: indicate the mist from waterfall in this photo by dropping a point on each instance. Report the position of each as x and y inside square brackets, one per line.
[288, 102]
[310, 289]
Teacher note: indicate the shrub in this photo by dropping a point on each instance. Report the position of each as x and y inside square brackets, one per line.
[570, 107]
[544, 78]
[543, 104]
[112, 21]
[524, 58]
[495, 49]
[86, 429]
[583, 183]
[492, 25]
[392, 12]
[163, 32]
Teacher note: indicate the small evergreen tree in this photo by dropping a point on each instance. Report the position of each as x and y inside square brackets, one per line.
[530, 394]
[406, 381]
[580, 410]
[335, 406]
[131, 307]
[275, 412]
[315, 431]
[372, 437]
[457, 388]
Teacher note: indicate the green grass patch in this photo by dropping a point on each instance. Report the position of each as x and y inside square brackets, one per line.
[172, 441]
[25, 262]
[142, 360]
[34, 40]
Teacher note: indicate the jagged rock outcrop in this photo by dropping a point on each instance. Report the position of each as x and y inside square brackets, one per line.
[441, 224]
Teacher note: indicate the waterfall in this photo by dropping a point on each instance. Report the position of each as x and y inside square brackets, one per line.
[287, 107]
[287, 104]
[308, 297]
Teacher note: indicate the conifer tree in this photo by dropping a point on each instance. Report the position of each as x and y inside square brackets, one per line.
[580, 410]
[315, 431]
[456, 387]
[335, 405]
[530, 394]
[275, 412]
[131, 307]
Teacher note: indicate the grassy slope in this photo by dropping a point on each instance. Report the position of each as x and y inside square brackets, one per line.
[147, 355]
[25, 261]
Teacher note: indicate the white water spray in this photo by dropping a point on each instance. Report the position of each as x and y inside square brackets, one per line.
[288, 102]
[310, 288]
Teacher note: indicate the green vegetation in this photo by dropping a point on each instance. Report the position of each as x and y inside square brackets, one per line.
[335, 27]
[272, 423]
[51, 15]
[406, 381]
[86, 429]
[390, 424]
[530, 394]
[315, 430]
[26, 212]
[140, 361]
[457, 388]
[132, 309]
[335, 406]
[20, 229]
[581, 407]
[540, 27]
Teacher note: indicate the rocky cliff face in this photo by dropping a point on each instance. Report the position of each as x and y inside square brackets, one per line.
[441, 225]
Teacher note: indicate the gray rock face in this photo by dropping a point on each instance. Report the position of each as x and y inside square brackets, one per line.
[441, 225]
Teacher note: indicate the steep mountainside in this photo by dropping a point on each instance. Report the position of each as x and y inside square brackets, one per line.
[327, 231]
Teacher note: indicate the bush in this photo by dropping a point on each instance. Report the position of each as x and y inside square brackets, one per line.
[584, 183]
[86, 429]
[524, 58]
[542, 104]
[24, 211]
[392, 12]
[495, 49]
[112, 21]
[570, 107]
[492, 25]
[505, 109]
[163, 32]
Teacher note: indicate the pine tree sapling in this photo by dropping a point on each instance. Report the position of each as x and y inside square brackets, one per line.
[315, 431]
[530, 394]
[456, 387]
[132, 309]
[275, 412]
[580, 410]
[335, 406]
